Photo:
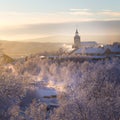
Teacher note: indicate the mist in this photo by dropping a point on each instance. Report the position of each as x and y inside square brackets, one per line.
[99, 31]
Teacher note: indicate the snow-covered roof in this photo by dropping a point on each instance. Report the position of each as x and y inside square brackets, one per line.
[115, 49]
[98, 50]
[90, 51]
[46, 92]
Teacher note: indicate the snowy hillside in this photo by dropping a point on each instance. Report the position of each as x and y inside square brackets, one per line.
[54, 89]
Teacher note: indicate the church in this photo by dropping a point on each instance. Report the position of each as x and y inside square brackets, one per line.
[92, 48]
[80, 44]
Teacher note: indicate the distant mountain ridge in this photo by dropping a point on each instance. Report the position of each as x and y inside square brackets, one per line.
[104, 39]
[19, 49]
[64, 32]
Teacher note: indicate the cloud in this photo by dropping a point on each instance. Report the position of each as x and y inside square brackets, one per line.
[71, 15]
[43, 30]
[79, 9]
[110, 13]
[63, 32]
[82, 12]
[37, 24]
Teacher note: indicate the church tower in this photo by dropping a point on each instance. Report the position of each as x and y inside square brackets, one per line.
[76, 40]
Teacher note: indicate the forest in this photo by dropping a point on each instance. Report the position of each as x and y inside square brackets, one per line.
[86, 90]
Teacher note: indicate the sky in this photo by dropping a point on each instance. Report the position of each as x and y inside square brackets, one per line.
[27, 19]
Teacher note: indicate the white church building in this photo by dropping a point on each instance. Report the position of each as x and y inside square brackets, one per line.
[79, 44]
[92, 48]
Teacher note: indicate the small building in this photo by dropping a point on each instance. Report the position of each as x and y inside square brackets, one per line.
[115, 48]
[90, 51]
[107, 50]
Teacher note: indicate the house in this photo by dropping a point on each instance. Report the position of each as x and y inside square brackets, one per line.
[105, 50]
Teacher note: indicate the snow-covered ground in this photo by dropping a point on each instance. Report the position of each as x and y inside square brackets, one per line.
[47, 95]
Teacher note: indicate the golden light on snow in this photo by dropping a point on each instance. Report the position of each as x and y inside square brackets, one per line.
[57, 86]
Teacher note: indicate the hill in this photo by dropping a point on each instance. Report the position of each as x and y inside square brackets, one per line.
[4, 59]
[17, 49]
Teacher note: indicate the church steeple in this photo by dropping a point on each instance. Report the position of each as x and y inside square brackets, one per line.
[76, 32]
[76, 39]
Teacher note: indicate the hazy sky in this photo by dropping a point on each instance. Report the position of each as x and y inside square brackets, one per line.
[23, 19]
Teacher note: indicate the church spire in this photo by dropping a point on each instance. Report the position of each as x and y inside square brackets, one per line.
[76, 39]
[76, 32]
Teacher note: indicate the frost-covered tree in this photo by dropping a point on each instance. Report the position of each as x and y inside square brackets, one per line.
[36, 111]
[86, 89]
